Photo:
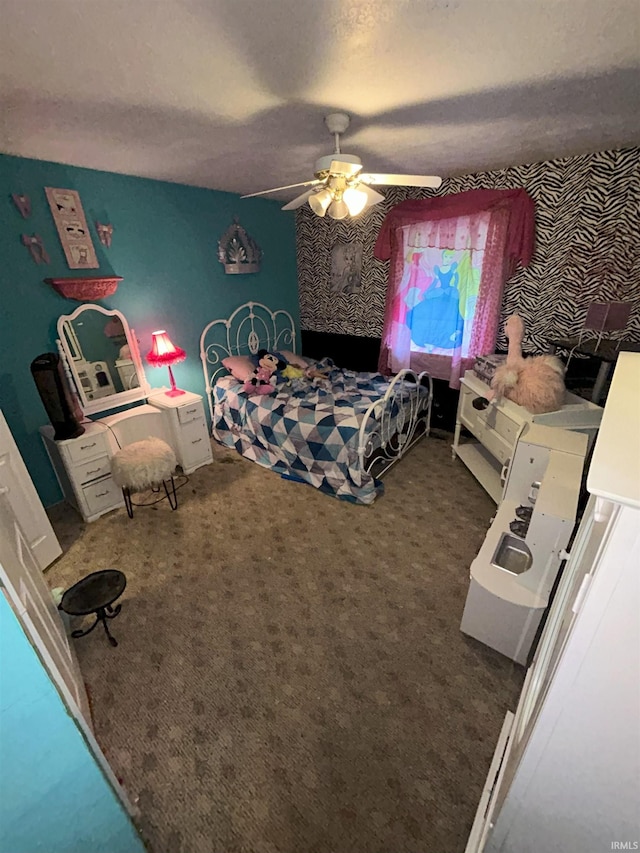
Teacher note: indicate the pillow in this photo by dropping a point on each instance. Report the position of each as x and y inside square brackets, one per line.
[239, 366]
[295, 360]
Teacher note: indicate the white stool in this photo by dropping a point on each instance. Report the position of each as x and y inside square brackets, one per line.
[145, 465]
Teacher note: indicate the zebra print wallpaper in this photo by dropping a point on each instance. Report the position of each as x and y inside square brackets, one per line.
[587, 249]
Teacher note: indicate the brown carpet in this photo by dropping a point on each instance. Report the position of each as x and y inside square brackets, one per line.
[290, 674]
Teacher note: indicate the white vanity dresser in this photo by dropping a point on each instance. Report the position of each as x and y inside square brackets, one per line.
[83, 470]
[83, 464]
[187, 425]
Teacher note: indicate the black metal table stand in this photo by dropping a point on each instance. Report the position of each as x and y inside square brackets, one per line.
[102, 614]
[95, 594]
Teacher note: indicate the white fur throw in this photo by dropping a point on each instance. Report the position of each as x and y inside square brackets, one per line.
[143, 464]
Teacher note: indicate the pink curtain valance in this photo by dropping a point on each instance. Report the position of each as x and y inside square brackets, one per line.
[520, 228]
[469, 232]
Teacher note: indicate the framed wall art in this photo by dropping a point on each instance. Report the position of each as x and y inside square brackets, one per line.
[346, 267]
[67, 212]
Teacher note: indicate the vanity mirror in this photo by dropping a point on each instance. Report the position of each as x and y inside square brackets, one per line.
[103, 359]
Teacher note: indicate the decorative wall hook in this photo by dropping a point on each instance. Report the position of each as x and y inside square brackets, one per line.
[34, 243]
[105, 232]
[23, 203]
[237, 251]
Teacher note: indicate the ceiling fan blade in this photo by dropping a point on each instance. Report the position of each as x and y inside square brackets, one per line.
[403, 180]
[300, 200]
[288, 187]
[373, 197]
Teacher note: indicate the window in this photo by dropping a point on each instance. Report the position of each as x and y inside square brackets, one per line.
[450, 257]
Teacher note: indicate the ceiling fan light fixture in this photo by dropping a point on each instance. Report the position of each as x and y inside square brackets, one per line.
[338, 209]
[355, 199]
[320, 201]
[341, 174]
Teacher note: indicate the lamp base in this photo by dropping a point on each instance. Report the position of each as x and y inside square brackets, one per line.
[174, 392]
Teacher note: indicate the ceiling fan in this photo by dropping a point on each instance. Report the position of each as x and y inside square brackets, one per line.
[340, 188]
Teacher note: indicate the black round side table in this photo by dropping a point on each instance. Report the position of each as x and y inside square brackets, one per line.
[95, 594]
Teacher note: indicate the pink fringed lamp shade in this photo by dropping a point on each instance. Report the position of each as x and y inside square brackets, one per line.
[163, 352]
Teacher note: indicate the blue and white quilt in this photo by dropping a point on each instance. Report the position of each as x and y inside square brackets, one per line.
[306, 430]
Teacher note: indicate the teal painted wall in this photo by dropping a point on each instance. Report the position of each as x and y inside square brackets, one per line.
[53, 795]
[165, 244]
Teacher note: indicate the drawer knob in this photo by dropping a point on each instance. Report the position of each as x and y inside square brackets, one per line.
[480, 403]
[95, 471]
[196, 440]
[87, 446]
[101, 494]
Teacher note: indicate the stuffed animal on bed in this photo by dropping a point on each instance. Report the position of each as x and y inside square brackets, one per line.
[313, 372]
[292, 371]
[262, 381]
[536, 382]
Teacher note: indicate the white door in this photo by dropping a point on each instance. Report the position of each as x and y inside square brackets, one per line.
[591, 539]
[23, 556]
[26, 504]
[28, 594]
[27, 546]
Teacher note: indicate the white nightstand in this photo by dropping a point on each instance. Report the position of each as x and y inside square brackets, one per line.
[188, 425]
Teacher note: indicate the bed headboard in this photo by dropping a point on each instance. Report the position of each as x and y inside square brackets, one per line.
[250, 328]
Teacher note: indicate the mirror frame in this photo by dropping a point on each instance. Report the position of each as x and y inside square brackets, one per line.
[112, 401]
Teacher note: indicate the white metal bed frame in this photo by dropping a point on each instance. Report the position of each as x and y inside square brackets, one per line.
[390, 426]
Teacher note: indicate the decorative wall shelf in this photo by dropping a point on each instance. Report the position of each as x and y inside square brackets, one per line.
[86, 289]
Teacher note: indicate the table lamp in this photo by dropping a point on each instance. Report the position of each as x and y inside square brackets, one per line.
[164, 352]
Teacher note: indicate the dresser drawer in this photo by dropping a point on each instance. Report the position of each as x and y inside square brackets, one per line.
[489, 421]
[92, 469]
[195, 443]
[495, 444]
[87, 447]
[102, 495]
[500, 423]
[186, 414]
[469, 416]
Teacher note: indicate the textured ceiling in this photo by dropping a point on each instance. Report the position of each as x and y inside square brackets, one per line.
[231, 94]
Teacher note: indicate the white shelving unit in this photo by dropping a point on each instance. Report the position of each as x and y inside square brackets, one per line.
[495, 431]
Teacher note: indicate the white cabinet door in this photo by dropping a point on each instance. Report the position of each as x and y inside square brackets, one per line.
[16, 483]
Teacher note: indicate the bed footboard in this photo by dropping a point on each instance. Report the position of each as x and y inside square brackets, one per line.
[395, 422]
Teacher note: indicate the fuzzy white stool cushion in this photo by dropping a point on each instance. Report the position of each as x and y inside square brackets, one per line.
[143, 464]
